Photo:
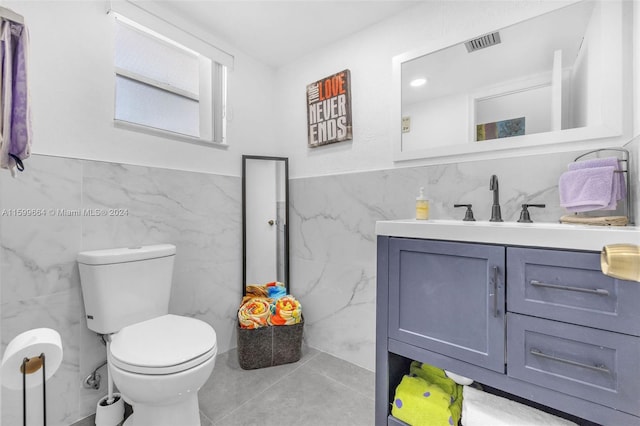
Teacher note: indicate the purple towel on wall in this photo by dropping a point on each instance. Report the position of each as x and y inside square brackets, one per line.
[587, 189]
[619, 185]
[15, 113]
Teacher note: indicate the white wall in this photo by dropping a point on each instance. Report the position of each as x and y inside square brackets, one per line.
[437, 122]
[73, 93]
[533, 104]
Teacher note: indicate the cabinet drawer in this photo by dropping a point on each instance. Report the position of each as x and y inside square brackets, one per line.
[570, 287]
[596, 365]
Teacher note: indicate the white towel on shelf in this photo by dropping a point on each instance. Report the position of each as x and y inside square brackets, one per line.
[483, 409]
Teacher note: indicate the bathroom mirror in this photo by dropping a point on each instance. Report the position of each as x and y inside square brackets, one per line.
[265, 218]
[556, 78]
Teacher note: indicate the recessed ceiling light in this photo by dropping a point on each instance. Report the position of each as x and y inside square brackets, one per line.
[418, 82]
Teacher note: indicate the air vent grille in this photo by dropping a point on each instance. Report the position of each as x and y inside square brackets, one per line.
[482, 42]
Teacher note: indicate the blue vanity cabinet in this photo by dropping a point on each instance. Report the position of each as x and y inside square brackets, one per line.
[566, 337]
[449, 298]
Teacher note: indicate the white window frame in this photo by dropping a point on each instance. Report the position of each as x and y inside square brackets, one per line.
[213, 93]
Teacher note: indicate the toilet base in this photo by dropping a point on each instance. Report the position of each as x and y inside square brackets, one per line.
[184, 413]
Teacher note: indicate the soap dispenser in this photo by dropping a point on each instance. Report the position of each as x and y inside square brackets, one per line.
[422, 206]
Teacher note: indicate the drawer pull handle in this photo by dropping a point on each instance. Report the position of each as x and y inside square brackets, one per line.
[598, 291]
[601, 368]
[494, 295]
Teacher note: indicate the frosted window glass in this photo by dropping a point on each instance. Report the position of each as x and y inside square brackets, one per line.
[149, 106]
[151, 57]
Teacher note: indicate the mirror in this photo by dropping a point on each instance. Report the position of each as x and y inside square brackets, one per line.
[265, 218]
[554, 78]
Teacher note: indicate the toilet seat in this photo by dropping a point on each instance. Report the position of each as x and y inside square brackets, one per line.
[163, 345]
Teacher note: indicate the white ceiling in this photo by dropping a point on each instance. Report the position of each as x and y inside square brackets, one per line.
[277, 32]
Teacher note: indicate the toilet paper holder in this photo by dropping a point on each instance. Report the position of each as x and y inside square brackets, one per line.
[25, 356]
[30, 366]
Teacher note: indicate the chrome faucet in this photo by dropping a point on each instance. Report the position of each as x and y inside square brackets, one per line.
[496, 216]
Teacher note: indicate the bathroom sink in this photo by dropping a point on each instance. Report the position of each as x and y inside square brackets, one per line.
[556, 235]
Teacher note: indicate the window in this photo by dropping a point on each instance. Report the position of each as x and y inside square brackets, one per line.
[164, 87]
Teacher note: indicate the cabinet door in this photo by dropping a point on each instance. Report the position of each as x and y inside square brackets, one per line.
[448, 298]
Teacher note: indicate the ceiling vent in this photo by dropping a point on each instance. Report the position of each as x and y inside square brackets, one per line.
[482, 42]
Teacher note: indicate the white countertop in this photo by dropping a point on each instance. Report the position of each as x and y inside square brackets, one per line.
[554, 235]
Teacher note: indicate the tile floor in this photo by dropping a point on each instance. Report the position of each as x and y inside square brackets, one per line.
[320, 389]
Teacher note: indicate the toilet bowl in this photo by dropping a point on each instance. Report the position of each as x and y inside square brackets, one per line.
[157, 360]
[159, 365]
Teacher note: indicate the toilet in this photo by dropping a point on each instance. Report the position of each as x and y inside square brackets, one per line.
[157, 360]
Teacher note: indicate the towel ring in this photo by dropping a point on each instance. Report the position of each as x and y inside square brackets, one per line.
[626, 170]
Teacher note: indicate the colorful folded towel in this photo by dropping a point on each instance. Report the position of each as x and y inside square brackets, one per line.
[435, 376]
[285, 311]
[427, 397]
[587, 189]
[276, 292]
[419, 403]
[257, 290]
[253, 290]
[254, 313]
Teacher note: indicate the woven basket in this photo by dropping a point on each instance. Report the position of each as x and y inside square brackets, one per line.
[269, 346]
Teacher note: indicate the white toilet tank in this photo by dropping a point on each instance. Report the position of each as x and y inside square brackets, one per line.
[124, 286]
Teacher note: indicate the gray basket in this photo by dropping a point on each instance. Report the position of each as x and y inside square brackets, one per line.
[269, 346]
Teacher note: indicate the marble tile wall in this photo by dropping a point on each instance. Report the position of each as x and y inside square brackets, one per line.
[199, 213]
[332, 234]
[332, 231]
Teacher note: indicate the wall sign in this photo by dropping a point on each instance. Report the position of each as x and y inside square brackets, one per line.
[329, 110]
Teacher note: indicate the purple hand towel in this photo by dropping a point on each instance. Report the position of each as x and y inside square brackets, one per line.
[619, 185]
[15, 113]
[587, 189]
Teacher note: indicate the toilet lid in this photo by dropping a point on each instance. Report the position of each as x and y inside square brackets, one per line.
[163, 345]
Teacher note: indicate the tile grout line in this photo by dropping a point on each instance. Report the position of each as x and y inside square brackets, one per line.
[266, 389]
[358, 391]
[205, 416]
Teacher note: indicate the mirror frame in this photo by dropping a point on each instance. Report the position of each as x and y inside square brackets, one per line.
[615, 123]
[244, 217]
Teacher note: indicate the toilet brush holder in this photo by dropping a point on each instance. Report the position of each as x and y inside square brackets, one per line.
[110, 414]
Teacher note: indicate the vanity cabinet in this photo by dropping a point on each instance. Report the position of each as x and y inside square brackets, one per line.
[541, 324]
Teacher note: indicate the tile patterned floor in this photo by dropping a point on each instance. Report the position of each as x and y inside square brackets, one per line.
[317, 390]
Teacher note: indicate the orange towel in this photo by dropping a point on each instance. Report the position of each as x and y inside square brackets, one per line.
[286, 311]
[254, 313]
